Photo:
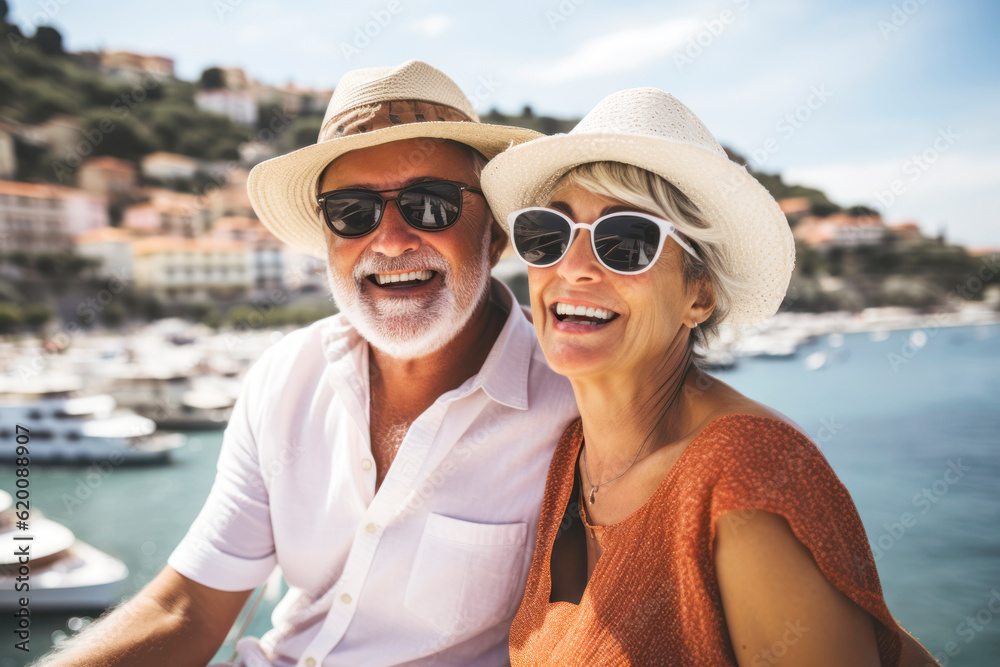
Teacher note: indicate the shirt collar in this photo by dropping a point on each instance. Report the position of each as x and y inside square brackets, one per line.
[504, 373]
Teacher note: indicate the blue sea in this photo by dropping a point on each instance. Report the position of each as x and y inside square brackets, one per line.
[912, 430]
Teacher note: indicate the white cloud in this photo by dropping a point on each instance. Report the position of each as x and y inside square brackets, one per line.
[432, 26]
[622, 51]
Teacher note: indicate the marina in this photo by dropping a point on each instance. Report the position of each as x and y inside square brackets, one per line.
[887, 430]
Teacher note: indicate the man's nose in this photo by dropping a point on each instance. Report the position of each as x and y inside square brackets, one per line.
[393, 237]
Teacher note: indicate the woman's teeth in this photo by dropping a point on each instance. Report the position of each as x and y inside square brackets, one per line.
[591, 313]
[385, 278]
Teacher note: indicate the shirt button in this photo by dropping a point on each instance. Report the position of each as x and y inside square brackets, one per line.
[346, 598]
[370, 528]
[366, 464]
[310, 662]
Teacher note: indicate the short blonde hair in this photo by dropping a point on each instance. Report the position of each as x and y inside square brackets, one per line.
[654, 194]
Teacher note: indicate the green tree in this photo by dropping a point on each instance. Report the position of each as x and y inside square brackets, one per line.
[35, 316]
[301, 132]
[127, 137]
[211, 79]
[10, 318]
[48, 40]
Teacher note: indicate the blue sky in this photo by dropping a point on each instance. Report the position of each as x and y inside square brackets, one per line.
[887, 81]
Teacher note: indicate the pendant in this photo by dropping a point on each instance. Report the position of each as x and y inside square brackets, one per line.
[593, 490]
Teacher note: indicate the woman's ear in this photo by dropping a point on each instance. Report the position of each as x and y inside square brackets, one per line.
[703, 305]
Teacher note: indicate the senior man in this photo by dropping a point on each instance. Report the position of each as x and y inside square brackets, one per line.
[390, 459]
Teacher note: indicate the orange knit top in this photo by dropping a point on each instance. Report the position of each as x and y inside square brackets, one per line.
[653, 597]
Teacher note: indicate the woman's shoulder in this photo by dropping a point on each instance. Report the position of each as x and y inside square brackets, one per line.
[748, 446]
[727, 416]
[744, 424]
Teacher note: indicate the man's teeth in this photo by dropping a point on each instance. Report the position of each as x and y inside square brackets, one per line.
[584, 311]
[384, 278]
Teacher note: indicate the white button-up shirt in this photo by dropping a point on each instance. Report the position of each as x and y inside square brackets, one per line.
[430, 569]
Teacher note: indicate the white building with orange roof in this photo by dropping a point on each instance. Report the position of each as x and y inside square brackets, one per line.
[792, 206]
[239, 105]
[164, 166]
[840, 230]
[267, 259]
[179, 268]
[108, 177]
[230, 196]
[38, 217]
[167, 213]
[291, 98]
[111, 245]
[131, 64]
[906, 234]
[84, 211]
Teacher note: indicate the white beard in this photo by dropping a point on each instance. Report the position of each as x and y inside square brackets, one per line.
[412, 327]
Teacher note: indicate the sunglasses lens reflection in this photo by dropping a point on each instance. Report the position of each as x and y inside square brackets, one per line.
[352, 214]
[431, 206]
[627, 243]
[540, 237]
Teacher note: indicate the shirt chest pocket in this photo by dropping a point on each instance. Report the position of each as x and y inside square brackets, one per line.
[466, 576]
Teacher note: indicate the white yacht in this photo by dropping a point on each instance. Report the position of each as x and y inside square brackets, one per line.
[64, 572]
[175, 398]
[65, 428]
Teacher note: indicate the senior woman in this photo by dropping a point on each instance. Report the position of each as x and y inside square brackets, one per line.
[683, 523]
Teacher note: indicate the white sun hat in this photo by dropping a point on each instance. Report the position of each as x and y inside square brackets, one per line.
[369, 107]
[649, 128]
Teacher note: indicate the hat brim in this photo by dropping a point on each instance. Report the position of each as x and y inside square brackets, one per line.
[283, 190]
[758, 243]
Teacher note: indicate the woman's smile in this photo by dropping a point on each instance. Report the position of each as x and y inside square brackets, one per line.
[579, 316]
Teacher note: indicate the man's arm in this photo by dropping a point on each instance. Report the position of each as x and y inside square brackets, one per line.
[172, 621]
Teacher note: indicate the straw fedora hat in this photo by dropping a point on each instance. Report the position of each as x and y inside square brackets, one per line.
[651, 129]
[369, 107]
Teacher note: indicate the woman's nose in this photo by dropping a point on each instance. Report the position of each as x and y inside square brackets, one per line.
[579, 264]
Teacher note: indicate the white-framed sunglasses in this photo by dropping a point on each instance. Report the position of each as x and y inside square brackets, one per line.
[626, 242]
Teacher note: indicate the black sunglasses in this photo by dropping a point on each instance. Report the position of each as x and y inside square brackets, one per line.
[430, 206]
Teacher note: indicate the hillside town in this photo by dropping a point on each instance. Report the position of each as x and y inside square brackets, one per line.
[123, 172]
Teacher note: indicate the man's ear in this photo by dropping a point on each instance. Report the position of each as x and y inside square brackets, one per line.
[498, 241]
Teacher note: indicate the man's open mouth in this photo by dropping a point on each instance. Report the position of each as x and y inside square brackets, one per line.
[403, 279]
[594, 316]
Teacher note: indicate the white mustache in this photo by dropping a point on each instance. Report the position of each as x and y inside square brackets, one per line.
[425, 258]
